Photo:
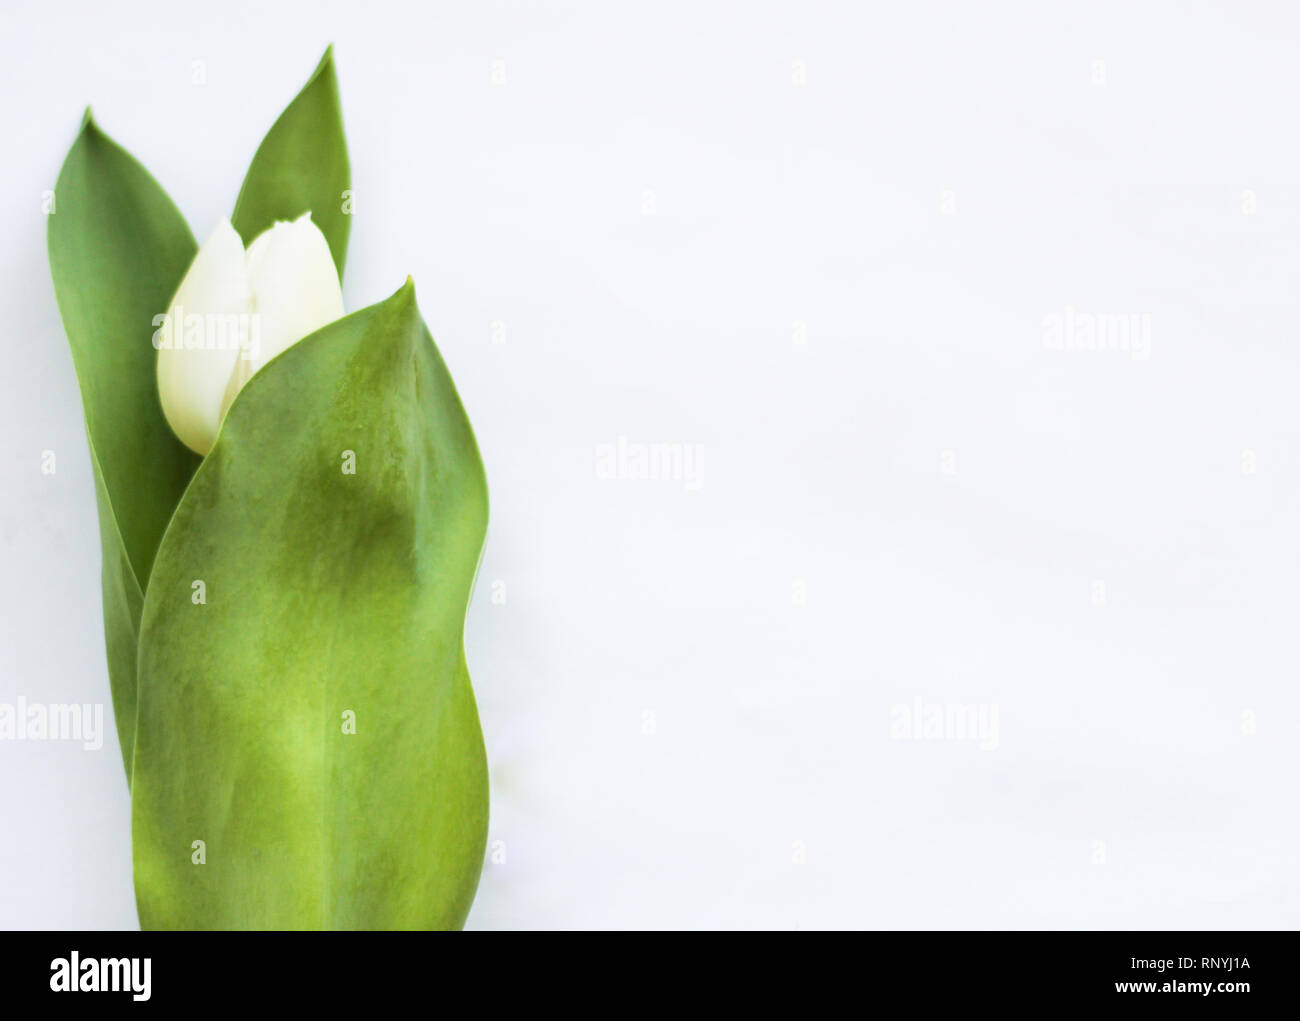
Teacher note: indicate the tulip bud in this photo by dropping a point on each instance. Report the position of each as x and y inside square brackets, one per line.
[234, 311]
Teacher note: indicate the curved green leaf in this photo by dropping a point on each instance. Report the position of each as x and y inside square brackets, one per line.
[301, 165]
[118, 248]
[329, 597]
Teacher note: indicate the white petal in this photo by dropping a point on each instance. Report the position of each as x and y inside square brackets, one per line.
[295, 292]
[192, 380]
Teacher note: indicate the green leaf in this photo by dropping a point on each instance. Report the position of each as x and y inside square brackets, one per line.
[118, 248]
[301, 165]
[329, 596]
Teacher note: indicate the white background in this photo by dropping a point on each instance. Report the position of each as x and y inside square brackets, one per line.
[838, 289]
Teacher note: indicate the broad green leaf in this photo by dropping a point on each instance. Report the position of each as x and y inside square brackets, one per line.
[123, 603]
[118, 248]
[301, 165]
[329, 596]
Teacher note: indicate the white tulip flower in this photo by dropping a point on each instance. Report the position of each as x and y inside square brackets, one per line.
[234, 311]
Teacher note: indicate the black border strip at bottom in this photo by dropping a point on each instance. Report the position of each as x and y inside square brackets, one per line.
[983, 970]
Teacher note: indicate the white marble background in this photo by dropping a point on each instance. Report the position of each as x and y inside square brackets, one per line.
[823, 242]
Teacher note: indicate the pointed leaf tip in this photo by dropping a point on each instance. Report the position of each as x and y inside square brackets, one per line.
[404, 295]
[301, 165]
[326, 62]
